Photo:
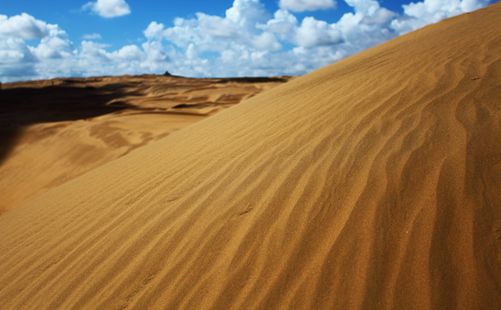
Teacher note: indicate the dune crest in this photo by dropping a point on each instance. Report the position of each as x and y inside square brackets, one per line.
[371, 183]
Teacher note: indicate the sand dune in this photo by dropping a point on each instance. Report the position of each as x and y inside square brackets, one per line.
[53, 131]
[372, 183]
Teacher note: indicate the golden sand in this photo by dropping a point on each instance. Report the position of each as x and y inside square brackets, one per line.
[372, 183]
[53, 131]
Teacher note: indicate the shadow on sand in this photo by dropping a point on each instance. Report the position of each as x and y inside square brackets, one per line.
[24, 106]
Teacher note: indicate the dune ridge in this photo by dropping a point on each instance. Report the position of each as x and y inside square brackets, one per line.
[372, 183]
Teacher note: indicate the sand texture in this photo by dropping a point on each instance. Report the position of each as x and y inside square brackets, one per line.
[53, 131]
[372, 183]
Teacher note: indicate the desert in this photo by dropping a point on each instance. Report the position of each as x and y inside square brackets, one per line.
[371, 183]
[74, 125]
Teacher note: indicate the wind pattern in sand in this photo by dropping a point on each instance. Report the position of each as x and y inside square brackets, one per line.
[372, 183]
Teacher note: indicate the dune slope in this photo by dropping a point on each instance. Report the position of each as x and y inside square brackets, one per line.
[52, 131]
[372, 183]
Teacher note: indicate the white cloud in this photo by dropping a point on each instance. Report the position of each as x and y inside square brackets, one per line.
[266, 42]
[419, 14]
[306, 5]
[154, 31]
[16, 60]
[55, 44]
[245, 41]
[22, 26]
[314, 32]
[247, 13]
[108, 8]
[365, 7]
[283, 24]
[129, 52]
[471, 5]
[216, 33]
[27, 43]
[368, 25]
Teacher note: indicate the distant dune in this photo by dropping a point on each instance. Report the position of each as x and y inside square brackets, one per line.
[372, 183]
[52, 131]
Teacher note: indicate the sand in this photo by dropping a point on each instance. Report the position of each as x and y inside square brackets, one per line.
[53, 131]
[372, 183]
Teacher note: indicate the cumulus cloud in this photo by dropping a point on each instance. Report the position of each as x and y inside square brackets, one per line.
[16, 60]
[108, 8]
[306, 5]
[283, 24]
[314, 32]
[210, 33]
[22, 26]
[247, 40]
[246, 13]
[419, 14]
[26, 42]
[32, 49]
[154, 31]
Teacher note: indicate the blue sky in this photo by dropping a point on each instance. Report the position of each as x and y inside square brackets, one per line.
[69, 15]
[43, 39]
[116, 31]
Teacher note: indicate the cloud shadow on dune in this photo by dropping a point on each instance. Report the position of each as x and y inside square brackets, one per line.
[24, 106]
